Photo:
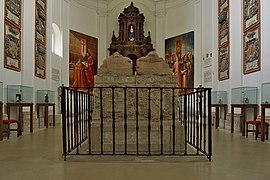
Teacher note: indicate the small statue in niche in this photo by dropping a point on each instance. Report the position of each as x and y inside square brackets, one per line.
[131, 34]
[18, 97]
[46, 98]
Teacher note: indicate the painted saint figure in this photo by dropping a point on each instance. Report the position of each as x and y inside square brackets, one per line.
[89, 63]
[80, 79]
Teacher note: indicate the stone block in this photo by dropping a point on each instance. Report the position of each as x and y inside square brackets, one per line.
[116, 65]
[152, 64]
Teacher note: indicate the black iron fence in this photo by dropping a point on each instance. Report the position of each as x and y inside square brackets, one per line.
[136, 121]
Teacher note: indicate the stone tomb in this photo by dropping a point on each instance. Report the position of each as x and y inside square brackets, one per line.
[152, 71]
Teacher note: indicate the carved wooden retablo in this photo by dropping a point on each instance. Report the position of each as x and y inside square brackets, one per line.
[131, 41]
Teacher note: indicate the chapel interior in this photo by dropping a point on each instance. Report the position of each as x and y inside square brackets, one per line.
[141, 89]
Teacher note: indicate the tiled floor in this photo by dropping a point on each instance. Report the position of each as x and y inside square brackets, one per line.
[38, 156]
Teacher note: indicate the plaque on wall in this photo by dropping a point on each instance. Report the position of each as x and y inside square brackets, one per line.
[12, 53]
[251, 13]
[252, 50]
[224, 63]
[13, 9]
[40, 60]
[40, 39]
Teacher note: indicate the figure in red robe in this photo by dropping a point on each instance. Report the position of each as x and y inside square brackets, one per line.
[80, 78]
[89, 63]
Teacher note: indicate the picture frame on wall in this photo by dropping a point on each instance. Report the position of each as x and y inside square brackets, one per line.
[42, 4]
[12, 45]
[251, 13]
[40, 38]
[40, 24]
[223, 4]
[224, 35]
[40, 60]
[224, 40]
[13, 10]
[252, 50]
[224, 63]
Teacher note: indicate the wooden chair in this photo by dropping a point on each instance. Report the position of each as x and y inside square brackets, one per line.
[8, 122]
[257, 124]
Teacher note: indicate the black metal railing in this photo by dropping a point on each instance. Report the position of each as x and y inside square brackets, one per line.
[136, 121]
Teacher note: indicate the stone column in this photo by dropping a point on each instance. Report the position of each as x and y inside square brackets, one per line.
[160, 31]
[102, 41]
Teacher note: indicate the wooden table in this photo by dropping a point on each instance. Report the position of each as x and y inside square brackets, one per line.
[1, 121]
[46, 112]
[21, 105]
[218, 106]
[243, 115]
[264, 106]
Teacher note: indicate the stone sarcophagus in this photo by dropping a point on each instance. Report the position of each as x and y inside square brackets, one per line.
[139, 108]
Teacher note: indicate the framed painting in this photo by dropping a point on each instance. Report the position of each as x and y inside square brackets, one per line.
[40, 39]
[224, 63]
[224, 40]
[13, 11]
[83, 53]
[40, 24]
[42, 4]
[12, 45]
[40, 60]
[223, 5]
[251, 13]
[179, 54]
[252, 50]
[224, 35]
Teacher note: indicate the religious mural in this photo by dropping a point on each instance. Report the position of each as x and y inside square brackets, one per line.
[83, 55]
[179, 52]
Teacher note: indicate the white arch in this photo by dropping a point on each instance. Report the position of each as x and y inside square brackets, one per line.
[57, 47]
